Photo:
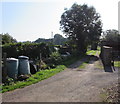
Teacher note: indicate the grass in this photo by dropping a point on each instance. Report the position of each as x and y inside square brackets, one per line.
[83, 65]
[117, 63]
[93, 52]
[100, 66]
[44, 74]
[41, 75]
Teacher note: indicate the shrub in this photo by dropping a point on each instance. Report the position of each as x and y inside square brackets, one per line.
[55, 58]
[32, 50]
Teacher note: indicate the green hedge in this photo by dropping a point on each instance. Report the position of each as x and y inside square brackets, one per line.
[32, 50]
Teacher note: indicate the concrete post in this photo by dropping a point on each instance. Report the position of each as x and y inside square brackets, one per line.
[106, 56]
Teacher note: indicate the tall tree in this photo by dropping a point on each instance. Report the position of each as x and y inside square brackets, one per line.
[82, 25]
[6, 38]
[111, 35]
[59, 39]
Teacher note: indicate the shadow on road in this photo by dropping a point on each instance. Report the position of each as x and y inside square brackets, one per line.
[89, 59]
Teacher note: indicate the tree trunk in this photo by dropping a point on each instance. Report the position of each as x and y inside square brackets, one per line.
[81, 47]
[94, 46]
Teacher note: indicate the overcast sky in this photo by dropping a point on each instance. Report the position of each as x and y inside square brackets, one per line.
[33, 19]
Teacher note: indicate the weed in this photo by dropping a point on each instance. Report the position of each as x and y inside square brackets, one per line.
[103, 96]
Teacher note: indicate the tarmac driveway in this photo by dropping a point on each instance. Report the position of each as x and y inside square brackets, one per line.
[70, 85]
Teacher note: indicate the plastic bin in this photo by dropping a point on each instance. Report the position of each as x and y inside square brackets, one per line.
[12, 67]
[24, 67]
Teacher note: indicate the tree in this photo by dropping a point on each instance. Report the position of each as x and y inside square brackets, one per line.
[59, 39]
[82, 25]
[40, 40]
[111, 35]
[6, 38]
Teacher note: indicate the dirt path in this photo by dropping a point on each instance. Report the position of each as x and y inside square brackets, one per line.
[70, 85]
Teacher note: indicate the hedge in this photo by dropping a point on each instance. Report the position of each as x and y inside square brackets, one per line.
[32, 50]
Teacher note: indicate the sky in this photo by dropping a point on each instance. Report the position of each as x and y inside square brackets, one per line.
[28, 20]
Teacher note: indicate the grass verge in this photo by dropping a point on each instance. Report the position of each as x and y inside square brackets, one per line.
[41, 75]
[117, 63]
[93, 52]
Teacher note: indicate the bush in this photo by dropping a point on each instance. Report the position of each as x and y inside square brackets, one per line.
[32, 50]
[55, 58]
[111, 36]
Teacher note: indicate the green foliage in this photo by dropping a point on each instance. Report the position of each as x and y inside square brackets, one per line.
[41, 75]
[32, 50]
[117, 64]
[93, 52]
[57, 40]
[111, 35]
[6, 38]
[40, 40]
[82, 25]
[9, 81]
[55, 58]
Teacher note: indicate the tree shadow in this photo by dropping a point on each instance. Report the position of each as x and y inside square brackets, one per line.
[88, 59]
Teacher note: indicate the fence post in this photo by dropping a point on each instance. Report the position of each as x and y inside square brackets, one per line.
[4, 70]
